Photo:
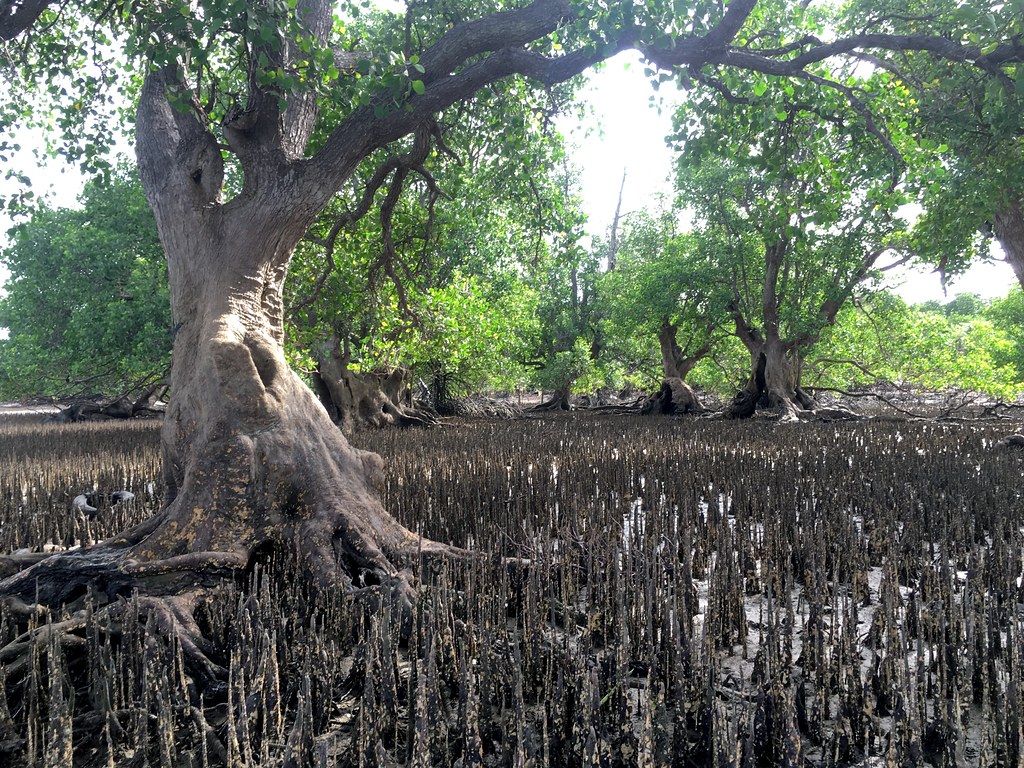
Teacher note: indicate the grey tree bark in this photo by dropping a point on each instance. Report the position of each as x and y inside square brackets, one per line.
[675, 395]
[1008, 227]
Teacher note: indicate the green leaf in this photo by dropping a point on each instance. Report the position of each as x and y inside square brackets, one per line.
[418, 86]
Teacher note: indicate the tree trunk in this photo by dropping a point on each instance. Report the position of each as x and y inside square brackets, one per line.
[675, 395]
[251, 459]
[1008, 227]
[357, 400]
[674, 363]
[560, 401]
[774, 383]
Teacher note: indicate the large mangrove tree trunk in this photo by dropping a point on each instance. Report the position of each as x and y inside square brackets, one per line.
[675, 395]
[774, 379]
[1008, 227]
[251, 459]
[560, 400]
[774, 383]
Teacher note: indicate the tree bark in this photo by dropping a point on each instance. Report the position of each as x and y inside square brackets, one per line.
[357, 400]
[1008, 227]
[675, 395]
[774, 381]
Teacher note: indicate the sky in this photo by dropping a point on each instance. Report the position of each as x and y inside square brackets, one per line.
[625, 131]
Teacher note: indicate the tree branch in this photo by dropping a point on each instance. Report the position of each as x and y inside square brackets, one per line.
[362, 132]
[505, 29]
[869, 122]
[16, 18]
[173, 148]
[299, 119]
[402, 164]
[735, 17]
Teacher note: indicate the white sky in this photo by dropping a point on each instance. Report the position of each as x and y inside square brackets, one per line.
[626, 131]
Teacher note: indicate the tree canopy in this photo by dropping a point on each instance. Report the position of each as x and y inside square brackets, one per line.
[86, 304]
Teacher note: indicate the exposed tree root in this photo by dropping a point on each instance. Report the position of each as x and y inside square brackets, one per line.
[558, 402]
[168, 591]
[175, 617]
[829, 413]
[140, 399]
[675, 396]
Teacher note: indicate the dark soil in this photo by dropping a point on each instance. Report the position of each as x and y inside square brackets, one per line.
[685, 592]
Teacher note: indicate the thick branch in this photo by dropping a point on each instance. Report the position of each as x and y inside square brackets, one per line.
[750, 336]
[301, 114]
[175, 152]
[940, 46]
[363, 132]
[499, 39]
[500, 30]
[15, 18]
[734, 18]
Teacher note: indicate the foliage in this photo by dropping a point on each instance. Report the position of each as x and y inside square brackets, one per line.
[794, 195]
[1007, 315]
[228, 59]
[661, 275]
[566, 351]
[964, 155]
[467, 334]
[443, 279]
[882, 339]
[86, 306]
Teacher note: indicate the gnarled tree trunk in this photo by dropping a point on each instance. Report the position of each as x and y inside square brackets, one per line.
[675, 395]
[774, 381]
[775, 361]
[356, 399]
[251, 459]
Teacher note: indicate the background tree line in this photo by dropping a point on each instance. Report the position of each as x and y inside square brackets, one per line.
[511, 300]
